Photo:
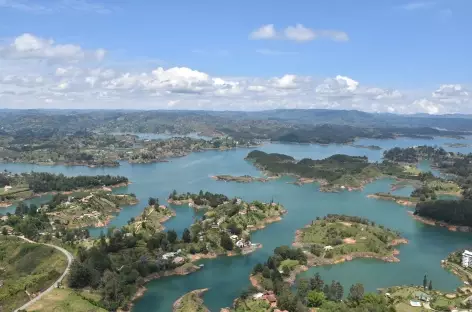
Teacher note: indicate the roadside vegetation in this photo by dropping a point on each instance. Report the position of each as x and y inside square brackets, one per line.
[25, 270]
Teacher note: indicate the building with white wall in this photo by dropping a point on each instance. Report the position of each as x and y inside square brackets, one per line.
[467, 259]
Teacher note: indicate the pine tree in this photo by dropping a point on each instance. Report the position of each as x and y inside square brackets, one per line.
[425, 281]
[430, 286]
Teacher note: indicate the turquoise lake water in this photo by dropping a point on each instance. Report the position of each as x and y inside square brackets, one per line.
[228, 276]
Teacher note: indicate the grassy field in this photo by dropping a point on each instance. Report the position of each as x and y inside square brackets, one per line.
[289, 263]
[26, 267]
[347, 237]
[66, 300]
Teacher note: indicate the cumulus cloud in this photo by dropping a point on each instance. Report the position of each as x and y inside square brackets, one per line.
[38, 72]
[297, 33]
[28, 46]
[264, 32]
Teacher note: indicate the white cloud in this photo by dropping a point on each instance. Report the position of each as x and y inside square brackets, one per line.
[428, 106]
[264, 32]
[285, 82]
[37, 72]
[28, 46]
[298, 33]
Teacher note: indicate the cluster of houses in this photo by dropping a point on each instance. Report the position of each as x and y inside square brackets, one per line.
[240, 242]
[174, 256]
[269, 297]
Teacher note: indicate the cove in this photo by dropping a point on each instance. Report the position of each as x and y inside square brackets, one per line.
[228, 276]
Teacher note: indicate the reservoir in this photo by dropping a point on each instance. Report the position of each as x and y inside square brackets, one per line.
[226, 277]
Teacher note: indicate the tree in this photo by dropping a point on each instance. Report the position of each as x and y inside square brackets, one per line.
[430, 286]
[303, 287]
[80, 275]
[315, 299]
[226, 241]
[266, 272]
[151, 201]
[356, 292]
[425, 281]
[171, 236]
[4, 231]
[316, 283]
[286, 270]
[186, 236]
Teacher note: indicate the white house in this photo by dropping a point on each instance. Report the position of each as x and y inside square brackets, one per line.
[467, 259]
[7, 188]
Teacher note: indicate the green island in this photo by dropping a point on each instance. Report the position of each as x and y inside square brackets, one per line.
[18, 187]
[240, 179]
[338, 238]
[334, 173]
[25, 270]
[191, 302]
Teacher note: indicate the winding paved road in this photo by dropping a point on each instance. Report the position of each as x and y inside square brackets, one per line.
[56, 283]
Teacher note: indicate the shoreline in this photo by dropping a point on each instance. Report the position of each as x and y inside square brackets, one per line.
[142, 290]
[403, 202]
[432, 222]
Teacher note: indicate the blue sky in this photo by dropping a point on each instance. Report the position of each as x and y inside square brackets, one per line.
[376, 55]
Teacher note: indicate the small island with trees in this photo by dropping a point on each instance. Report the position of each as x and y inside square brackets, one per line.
[339, 238]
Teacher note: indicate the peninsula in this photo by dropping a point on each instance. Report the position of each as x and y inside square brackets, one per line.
[86, 209]
[334, 173]
[191, 302]
[17, 187]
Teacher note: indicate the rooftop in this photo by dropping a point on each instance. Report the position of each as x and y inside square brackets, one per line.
[467, 253]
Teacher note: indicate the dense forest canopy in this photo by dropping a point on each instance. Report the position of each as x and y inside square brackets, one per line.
[455, 212]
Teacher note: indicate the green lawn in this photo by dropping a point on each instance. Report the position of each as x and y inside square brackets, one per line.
[289, 264]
